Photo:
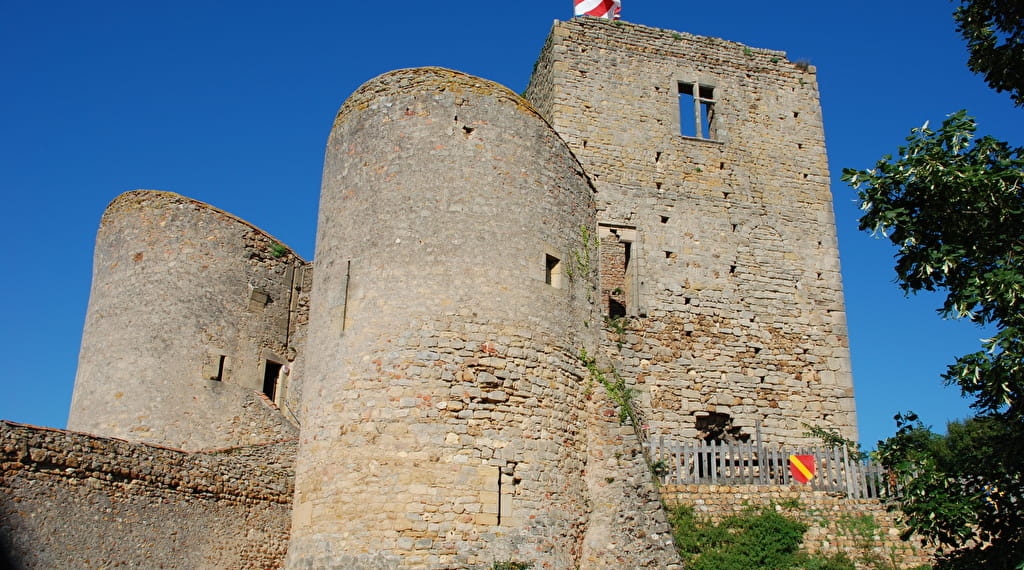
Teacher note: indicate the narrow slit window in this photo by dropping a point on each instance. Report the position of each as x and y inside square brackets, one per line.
[552, 271]
[697, 110]
[271, 373]
[220, 369]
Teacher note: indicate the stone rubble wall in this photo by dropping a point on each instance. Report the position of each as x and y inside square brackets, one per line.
[628, 527]
[188, 303]
[71, 500]
[739, 307]
[862, 528]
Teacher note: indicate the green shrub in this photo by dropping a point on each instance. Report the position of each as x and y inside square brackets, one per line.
[278, 250]
[751, 540]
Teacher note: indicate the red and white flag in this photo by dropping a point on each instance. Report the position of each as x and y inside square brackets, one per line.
[608, 9]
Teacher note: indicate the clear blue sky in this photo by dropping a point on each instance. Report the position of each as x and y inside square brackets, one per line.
[230, 103]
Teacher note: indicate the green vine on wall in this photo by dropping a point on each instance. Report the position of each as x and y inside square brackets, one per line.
[616, 388]
[624, 397]
[581, 260]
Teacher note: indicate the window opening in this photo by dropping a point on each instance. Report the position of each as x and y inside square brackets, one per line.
[697, 101]
[271, 372]
[348, 279]
[552, 270]
[220, 369]
[618, 270]
[499, 496]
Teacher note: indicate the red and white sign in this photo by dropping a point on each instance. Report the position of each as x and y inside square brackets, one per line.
[802, 467]
[608, 9]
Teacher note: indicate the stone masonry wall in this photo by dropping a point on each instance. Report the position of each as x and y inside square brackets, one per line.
[738, 306]
[628, 527]
[70, 500]
[862, 528]
[188, 306]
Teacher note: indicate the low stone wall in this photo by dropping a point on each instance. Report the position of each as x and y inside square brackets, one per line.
[861, 528]
[72, 500]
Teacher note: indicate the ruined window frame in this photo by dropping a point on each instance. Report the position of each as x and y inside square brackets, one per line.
[704, 114]
[632, 283]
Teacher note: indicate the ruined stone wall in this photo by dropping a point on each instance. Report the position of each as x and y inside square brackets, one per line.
[628, 526]
[188, 306]
[70, 500]
[862, 528]
[736, 306]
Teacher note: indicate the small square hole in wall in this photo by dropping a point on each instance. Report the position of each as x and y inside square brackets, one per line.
[664, 219]
[552, 270]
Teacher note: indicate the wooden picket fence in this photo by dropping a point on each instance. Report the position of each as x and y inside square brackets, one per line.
[718, 463]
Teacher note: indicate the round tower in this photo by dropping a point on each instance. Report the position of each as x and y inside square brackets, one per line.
[189, 321]
[455, 287]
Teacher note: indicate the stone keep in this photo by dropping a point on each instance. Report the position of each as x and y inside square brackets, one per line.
[715, 217]
[658, 199]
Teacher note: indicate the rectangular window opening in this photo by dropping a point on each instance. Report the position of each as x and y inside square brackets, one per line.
[618, 271]
[552, 270]
[697, 110]
[271, 373]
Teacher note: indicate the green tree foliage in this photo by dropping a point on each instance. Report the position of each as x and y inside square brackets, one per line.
[963, 490]
[953, 205]
[994, 30]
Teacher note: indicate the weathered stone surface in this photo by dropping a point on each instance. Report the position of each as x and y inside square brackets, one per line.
[70, 500]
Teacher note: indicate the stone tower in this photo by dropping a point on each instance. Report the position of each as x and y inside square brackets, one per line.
[444, 422]
[193, 312]
[718, 245]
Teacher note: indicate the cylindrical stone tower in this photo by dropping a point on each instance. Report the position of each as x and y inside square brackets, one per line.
[190, 318]
[455, 287]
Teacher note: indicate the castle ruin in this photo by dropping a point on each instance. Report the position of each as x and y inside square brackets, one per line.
[656, 200]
